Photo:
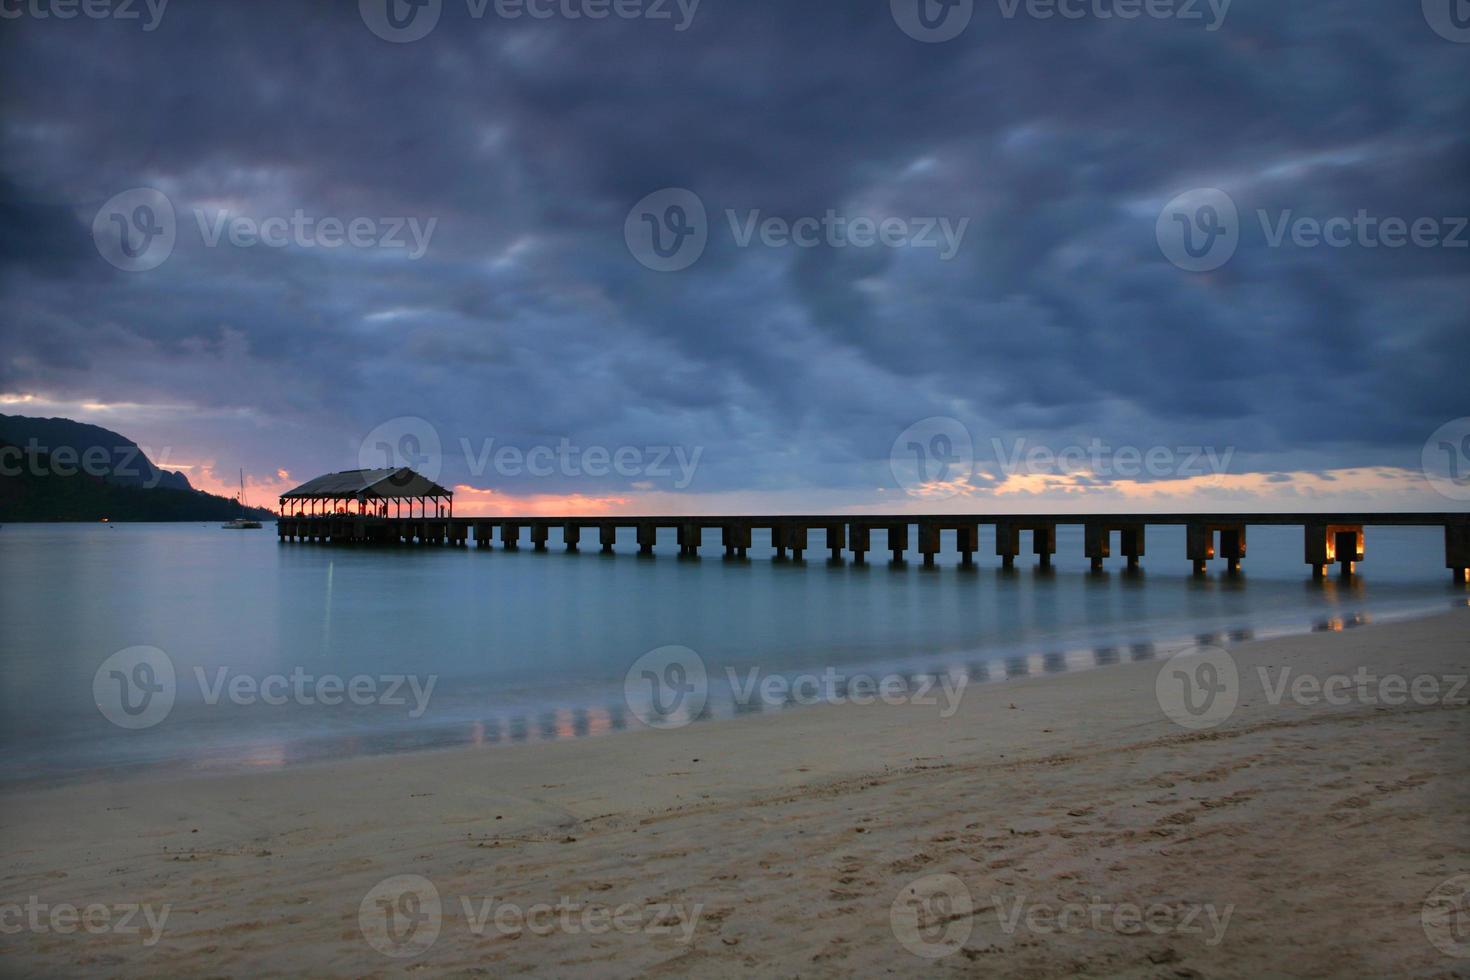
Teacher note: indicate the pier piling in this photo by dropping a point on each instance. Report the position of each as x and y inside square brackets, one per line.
[1328, 543]
[1457, 552]
[735, 536]
[898, 541]
[1097, 541]
[691, 536]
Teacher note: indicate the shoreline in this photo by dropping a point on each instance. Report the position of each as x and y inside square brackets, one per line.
[459, 734]
[1323, 827]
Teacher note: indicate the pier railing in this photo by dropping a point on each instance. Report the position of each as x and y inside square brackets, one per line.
[1328, 538]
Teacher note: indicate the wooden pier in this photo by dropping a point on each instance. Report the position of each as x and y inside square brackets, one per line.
[1328, 539]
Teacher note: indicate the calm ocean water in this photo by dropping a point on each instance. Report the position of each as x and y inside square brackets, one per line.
[532, 646]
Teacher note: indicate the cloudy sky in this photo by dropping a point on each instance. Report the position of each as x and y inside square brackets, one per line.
[739, 255]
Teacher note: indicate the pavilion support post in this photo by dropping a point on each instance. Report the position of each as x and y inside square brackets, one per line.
[571, 535]
[540, 533]
[510, 537]
[647, 537]
[691, 536]
[859, 537]
[607, 536]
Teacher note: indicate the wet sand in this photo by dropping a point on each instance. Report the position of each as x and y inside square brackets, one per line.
[1054, 825]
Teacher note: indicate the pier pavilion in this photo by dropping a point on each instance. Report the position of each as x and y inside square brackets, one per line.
[369, 493]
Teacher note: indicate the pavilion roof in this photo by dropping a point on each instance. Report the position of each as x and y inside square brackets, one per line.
[383, 484]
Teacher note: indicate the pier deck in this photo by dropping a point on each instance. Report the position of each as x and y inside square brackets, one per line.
[1328, 538]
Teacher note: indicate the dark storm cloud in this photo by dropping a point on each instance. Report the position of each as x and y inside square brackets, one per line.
[527, 142]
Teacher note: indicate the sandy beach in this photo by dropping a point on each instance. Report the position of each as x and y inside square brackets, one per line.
[1053, 825]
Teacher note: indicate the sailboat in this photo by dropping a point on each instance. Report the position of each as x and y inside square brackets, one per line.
[241, 523]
